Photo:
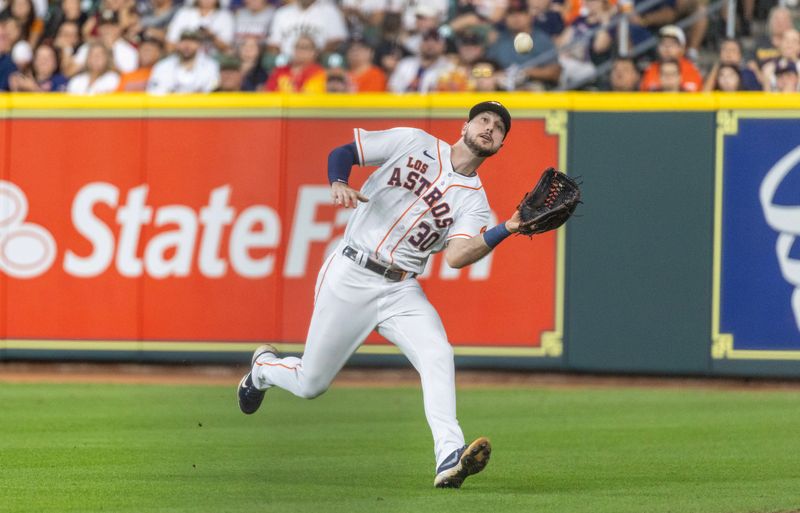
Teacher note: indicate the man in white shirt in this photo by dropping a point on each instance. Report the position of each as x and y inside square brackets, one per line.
[419, 74]
[188, 70]
[126, 58]
[215, 24]
[319, 19]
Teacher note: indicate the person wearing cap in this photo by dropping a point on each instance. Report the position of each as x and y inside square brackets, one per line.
[188, 70]
[785, 80]
[322, 20]
[420, 73]
[365, 76]
[215, 25]
[427, 19]
[150, 52]
[672, 46]
[425, 197]
[230, 75]
[126, 58]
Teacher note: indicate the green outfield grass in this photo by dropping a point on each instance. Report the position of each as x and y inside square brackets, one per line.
[118, 448]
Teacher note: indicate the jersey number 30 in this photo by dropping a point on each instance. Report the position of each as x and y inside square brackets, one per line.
[424, 238]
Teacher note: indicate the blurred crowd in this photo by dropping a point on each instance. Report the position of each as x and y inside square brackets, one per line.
[351, 46]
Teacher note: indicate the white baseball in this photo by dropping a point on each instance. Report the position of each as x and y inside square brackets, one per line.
[523, 43]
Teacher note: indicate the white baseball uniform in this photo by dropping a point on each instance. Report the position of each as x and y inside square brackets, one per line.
[417, 203]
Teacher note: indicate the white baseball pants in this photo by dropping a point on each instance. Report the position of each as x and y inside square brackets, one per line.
[351, 301]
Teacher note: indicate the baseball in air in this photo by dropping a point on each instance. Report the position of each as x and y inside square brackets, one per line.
[523, 43]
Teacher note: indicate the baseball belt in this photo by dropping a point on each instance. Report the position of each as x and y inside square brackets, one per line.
[375, 266]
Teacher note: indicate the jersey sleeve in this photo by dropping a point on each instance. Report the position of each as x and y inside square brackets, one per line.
[376, 147]
[471, 223]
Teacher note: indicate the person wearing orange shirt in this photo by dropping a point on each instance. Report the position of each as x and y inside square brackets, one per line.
[366, 77]
[302, 74]
[671, 47]
[150, 51]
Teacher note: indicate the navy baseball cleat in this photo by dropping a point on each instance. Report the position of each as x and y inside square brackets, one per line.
[464, 462]
[250, 397]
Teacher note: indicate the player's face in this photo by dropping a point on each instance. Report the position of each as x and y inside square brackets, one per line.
[484, 134]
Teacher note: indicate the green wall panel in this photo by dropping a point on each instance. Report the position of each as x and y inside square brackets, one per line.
[639, 259]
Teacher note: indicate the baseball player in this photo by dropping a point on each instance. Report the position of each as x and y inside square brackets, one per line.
[425, 197]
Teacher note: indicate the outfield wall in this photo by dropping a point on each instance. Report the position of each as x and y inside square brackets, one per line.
[143, 228]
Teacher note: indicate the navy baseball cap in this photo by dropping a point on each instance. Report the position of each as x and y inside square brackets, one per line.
[495, 107]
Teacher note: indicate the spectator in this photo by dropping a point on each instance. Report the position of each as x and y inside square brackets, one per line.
[302, 74]
[109, 31]
[44, 76]
[420, 73]
[150, 51]
[778, 22]
[6, 63]
[253, 19]
[155, 17]
[388, 50]
[785, 76]
[215, 26]
[540, 66]
[727, 78]
[122, 8]
[624, 76]
[671, 47]
[188, 70]
[580, 46]
[427, 19]
[230, 75]
[67, 42]
[99, 76]
[486, 76]
[250, 52]
[366, 77]
[669, 76]
[545, 19]
[31, 26]
[470, 49]
[66, 11]
[789, 49]
[730, 54]
[318, 19]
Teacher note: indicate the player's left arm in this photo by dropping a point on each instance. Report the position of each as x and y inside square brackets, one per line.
[462, 252]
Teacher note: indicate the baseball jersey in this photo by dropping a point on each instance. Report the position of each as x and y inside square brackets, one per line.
[417, 202]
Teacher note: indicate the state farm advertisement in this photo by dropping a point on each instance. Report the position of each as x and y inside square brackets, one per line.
[215, 229]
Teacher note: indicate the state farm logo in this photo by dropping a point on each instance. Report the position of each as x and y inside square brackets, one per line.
[26, 249]
[122, 231]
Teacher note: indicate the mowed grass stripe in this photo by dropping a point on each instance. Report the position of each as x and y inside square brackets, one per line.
[148, 448]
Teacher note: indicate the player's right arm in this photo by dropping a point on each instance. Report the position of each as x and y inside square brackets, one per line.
[340, 162]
